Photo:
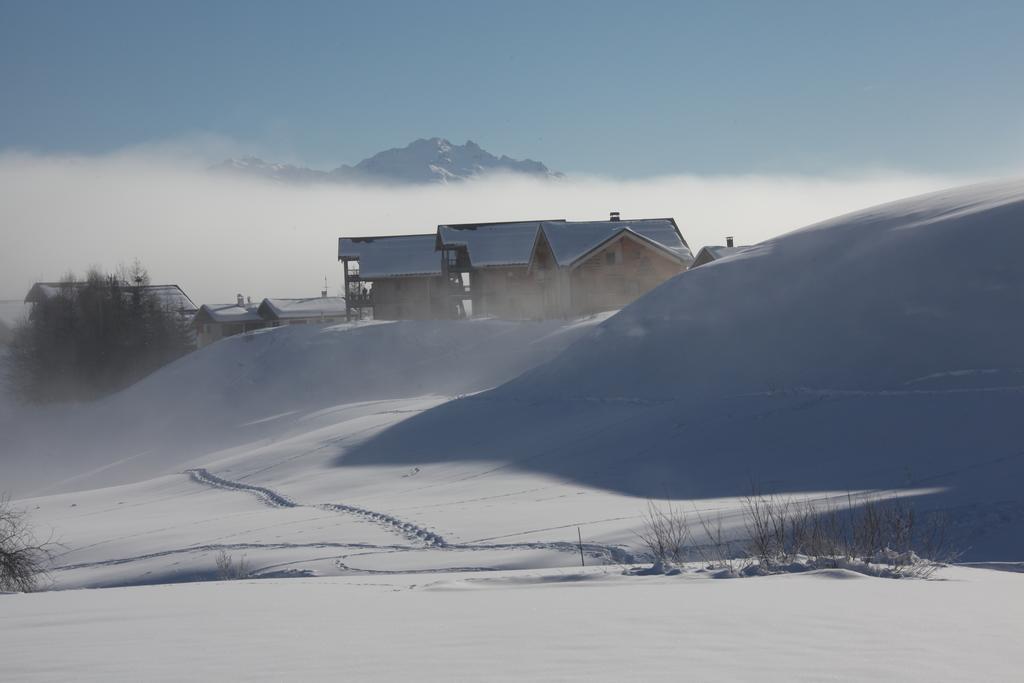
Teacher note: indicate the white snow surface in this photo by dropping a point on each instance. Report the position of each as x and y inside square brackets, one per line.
[565, 625]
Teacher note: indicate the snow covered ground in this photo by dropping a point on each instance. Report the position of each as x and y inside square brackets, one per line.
[410, 493]
[526, 625]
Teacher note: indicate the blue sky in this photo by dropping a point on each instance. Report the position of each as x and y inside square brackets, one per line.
[613, 88]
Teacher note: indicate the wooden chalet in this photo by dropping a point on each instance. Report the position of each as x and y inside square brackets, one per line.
[515, 270]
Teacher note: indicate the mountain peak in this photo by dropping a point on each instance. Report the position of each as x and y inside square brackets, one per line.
[425, 160]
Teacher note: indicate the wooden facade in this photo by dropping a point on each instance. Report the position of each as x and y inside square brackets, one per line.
[408, 298]
[617, 274]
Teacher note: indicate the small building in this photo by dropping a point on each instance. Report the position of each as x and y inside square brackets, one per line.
[321, 309]
[713, 253]
[213, 322]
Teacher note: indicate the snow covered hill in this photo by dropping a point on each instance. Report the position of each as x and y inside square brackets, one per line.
[259, 386]
[433, 160]
[879, 350]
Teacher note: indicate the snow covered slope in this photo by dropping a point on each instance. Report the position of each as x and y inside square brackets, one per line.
[258, 386]
[878, 350]
[875, 352]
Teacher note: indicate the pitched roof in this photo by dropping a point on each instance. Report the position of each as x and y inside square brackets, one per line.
[715, 252]
[392, 256]
[171, 296]
[290, 309]
[571, 241]
[492, 244]
[502, 244]
[227, 313]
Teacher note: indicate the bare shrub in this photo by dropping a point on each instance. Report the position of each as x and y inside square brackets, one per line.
[767, 521]
[884, 533]
[882, 537]
[23, 558]
[665, 534]
[230, 570]
[715, 551]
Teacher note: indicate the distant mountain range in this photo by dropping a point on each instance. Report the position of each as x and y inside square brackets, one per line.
[433, 160]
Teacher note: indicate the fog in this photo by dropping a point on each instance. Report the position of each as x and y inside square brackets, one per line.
[219, 235]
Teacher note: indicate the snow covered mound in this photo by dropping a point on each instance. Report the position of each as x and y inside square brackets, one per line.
[878, 350]
[261, 385]
[921, 293]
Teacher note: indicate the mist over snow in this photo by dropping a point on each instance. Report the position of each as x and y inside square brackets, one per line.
[217, 235]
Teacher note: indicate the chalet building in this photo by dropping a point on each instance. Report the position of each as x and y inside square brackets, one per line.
[516, 270]
[713, 253]
[215, 321]
[397, 277]
[322, 309]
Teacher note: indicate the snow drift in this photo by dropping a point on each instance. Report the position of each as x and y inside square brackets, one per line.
[258, 386]
[907, 292]
[878, 350]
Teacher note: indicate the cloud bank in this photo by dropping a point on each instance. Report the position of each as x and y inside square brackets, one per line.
[217, 235]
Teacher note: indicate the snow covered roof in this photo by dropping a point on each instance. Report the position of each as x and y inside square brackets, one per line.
[713, 253]
[492, 244]
[228, 313]
[393, 256]
[171, 296]
[291, 309]
[571, 241]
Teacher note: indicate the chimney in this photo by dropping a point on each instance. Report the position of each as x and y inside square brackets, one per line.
[240, 300]
[614, 216]
[728, 241]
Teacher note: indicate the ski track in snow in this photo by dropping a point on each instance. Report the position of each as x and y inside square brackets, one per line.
[274, 499]
[212, 547]
[427, 539]
[409, 530]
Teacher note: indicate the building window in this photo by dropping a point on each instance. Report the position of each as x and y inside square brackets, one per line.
[609, 258]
